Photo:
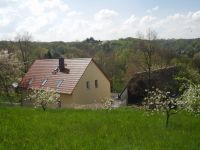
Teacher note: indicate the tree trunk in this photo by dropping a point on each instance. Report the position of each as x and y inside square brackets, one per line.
[149, 78]
[20, 92]
[8, 95]
[43, 107]
[167, 119]
[59, 104]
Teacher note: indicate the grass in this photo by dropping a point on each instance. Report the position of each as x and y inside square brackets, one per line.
[124, 128]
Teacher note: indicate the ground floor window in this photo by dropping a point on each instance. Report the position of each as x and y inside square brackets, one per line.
[96, 84]
[88, 84]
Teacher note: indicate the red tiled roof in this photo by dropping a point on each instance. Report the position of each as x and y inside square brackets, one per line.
[42, 69]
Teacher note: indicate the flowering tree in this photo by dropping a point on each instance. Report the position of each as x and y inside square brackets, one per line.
[44, 97]
[158, 100]
[107, 103]
[191, 96]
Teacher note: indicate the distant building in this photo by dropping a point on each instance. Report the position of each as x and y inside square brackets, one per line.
[134, 92]
[79, 81]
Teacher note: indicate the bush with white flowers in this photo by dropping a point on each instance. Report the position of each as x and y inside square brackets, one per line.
[107, 103]
[158, 100]
[191, 96]
[43, 97]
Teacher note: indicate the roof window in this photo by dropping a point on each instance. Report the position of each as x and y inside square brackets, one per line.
[44, 81]
[59, 83]
[31, 81]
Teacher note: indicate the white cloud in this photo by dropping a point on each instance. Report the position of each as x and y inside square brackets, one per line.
[147, 19]
[174, 26]
[196, 16]
[131, 20]
[38, 7]
[156, 8]
[7, 14]
[51, 20]
[105, 14]
[6, 3]
[67, 30]
[74, 13]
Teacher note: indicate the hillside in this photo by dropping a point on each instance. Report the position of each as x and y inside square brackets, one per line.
[118, 58]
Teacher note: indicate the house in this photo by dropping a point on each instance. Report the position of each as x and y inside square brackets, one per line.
[163, 78]
[79, 81]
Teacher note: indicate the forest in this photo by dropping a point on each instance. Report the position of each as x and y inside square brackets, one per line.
[119, 59]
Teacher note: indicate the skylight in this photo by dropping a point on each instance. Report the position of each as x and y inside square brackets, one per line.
[59, 83]
[44, 81]
[30, 81]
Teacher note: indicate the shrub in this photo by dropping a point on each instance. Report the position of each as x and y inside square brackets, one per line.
[44, 97]
[158, 100]
[191, 96]
[107, 103]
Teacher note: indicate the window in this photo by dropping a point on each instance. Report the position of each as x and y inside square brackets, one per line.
[88, 84]
[59, 83]
[44, 81]
[96, 84]
[30, 81]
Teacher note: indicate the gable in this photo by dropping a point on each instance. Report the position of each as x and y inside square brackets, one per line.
[88, 90]
[105, 75]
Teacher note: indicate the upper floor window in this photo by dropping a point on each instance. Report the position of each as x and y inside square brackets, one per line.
[88, 84]
[96, 84]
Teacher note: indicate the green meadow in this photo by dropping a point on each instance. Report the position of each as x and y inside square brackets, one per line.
[123, 128]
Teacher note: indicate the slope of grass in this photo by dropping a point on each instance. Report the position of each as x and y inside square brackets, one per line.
[125, 128]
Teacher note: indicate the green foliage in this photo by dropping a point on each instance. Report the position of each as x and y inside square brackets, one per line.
[119, 59]
[186, 77]
[191, 96]
[196, 61]
[9, 73]
[117, 84]
[126, 128]
[39, 53]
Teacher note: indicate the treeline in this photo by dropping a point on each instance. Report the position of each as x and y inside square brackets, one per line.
[120, 59]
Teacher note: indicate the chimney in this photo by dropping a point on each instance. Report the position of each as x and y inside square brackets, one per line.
[61, 64]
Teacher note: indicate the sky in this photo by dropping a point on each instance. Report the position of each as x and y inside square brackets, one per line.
[76, 20]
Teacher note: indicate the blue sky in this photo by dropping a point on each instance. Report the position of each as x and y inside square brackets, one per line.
[72, 20]
[137, 7]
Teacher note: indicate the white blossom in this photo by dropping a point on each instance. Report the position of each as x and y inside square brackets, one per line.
[191, 99]
[107, 103]
[157, 100]
[43, 97]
